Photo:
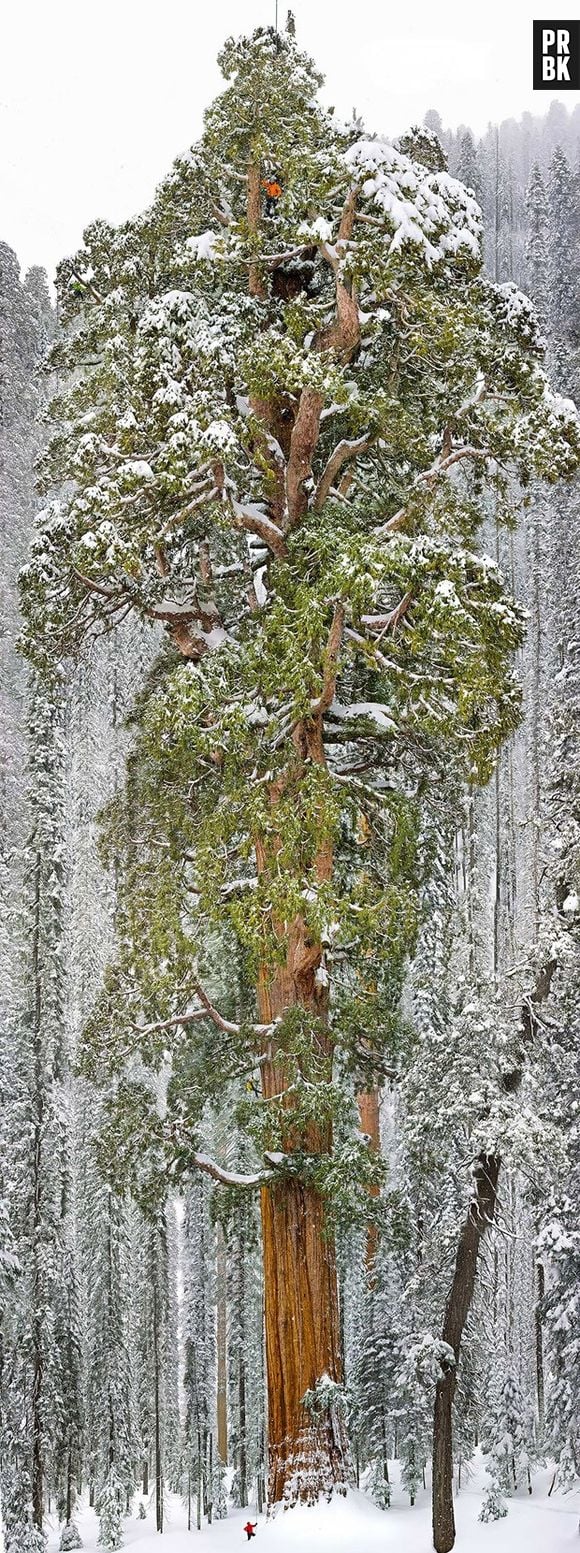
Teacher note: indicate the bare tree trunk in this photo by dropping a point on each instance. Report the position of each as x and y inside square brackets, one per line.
[158, 1451]
[242, 1418]
[221, 1348]
[541, 1289]
[479, 1218]
[306, 1456]
[37, 1335]
[369, 1116]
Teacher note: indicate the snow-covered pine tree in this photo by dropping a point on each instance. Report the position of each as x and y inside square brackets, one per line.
[538, 243]
[69, 1424]
[22, 339]
[374, 1404]
[245, 1354]
[111, 1421]
[507, 1440]
[44, 1350]
[468, 1035]
[153, 1307]
[559, 1244]
[564, 271]
[466, 166]
[171, 1357]
[110, 1512]
[294, 412]
[199, 1344]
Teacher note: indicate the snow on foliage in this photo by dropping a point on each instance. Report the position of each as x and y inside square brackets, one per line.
[430, 210]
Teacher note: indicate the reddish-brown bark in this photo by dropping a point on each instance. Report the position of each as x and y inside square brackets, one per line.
[306, 1456]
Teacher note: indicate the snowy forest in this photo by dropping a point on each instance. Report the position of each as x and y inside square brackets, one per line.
[290, 843]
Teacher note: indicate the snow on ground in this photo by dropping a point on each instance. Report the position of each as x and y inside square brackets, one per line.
[533, 1525]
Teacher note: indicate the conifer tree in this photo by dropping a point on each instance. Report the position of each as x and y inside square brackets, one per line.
[507, 1442]
[537, 248]
[564, 270]
[199, 1376]
[279, 420]
[466, 164]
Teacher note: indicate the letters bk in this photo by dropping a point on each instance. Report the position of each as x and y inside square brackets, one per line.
[556, 56]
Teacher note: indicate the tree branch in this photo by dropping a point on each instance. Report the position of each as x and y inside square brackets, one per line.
[230, 1177]
[384, 623]
[343, 453]
[207, 1011]
[429, 477]
[303, 441]
[333, 646]
[255, 522]
[343, 334]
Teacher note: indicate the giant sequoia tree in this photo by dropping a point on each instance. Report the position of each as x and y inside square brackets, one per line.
[280, 421]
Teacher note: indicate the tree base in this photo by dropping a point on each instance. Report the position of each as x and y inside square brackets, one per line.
[313, 1466]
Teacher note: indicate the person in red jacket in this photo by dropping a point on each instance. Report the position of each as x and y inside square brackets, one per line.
[250, 1529]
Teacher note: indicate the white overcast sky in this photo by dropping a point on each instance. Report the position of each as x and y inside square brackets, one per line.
[96, 98]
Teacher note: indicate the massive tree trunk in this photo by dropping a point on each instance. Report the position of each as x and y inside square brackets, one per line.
[479, 1218]
[307, 1452]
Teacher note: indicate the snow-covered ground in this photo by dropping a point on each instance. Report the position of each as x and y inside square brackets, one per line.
[533, 1525]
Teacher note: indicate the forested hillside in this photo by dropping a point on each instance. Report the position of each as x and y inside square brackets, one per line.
[290, 786]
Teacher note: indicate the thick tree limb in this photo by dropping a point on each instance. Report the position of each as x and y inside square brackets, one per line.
[326, 696]
[343, 453]
[343, 334]
[303, 441]
[255, 522]
[274, 1164]
[230, 1177]
[207, 1011]
[384, 623]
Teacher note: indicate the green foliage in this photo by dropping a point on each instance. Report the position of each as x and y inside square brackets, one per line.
[226, 466]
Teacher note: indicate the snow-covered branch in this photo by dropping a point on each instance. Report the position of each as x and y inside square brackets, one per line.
[384, 623]
[331, 661]
[230, 1177]
[343, 453]
[206, 1011]
[429, 477]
